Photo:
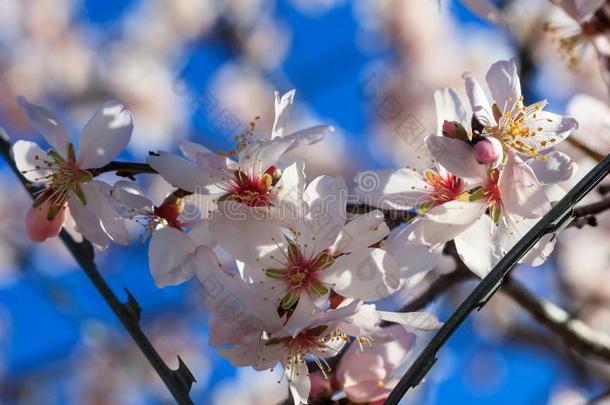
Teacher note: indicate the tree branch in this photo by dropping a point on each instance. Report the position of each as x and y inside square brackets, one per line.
[598, 157]
[575, 333]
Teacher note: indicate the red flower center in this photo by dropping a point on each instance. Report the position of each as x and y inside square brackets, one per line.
[445, 187]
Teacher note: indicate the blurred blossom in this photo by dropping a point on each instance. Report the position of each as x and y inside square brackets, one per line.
[252, 387]
[108, 368]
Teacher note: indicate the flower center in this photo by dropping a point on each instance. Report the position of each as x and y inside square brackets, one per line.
[518, 123]
[444, 188]
[61, 177]
[300, 274]
[252, 190]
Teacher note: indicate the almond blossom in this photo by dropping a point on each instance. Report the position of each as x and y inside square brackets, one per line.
[503, 206]
[589, 29]
[252, 179]
[315, 250]
[65, 175]
[369, 375]
[175, 226]
[528, 130]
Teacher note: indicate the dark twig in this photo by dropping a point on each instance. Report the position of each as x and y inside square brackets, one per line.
[177, 381]
[124, 169]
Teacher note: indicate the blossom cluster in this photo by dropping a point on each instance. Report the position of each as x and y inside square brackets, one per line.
[312, 264]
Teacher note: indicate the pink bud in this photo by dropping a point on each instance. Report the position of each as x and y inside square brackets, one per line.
[450, 129]
[39, 227]
[487, 151]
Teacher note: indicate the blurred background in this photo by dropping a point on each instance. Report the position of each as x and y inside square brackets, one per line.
[203, 69]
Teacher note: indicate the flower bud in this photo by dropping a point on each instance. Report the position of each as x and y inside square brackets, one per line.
[39, 227]
[488, 150]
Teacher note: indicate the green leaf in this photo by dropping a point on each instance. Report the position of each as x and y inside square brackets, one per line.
[290, 299]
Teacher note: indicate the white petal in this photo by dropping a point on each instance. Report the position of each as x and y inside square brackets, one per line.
[308, 136]
[478, 248]
[478, 101]
[449, 107]
[192, 150]
[325, 197]
[128, 199]
[232, 297]
[369, 274]
[411, 257]
[303, 315]
[292, 183]
[391, 189]
[87, 223]
[243, 237]
[487, 10]
[548, 130]
[504, 84]
[200, 234]
[283, 108]
[105, 135]
[97, 193]
[259, 155]
[555, 168]
[47, 124]
[168, 257]
[299, 382]
[444, 222]
[521, 191]
[457, 157]
[417, 320]
[181, 173]
[361, 232]
[25, 155]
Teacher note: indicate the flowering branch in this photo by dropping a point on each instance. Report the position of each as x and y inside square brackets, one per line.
[553, 222]
[178, 381]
